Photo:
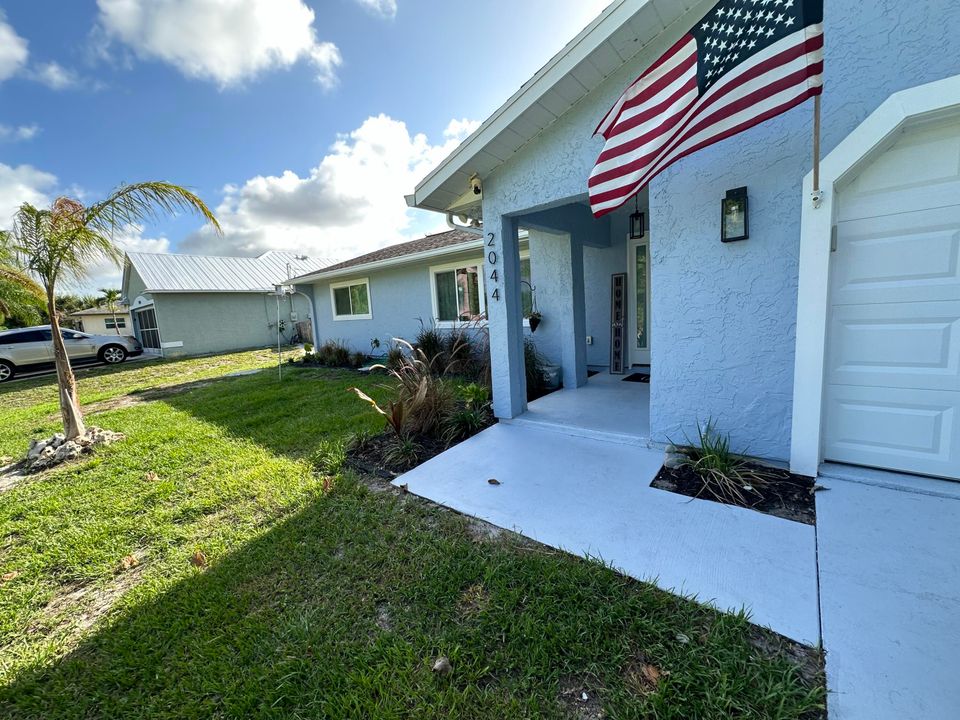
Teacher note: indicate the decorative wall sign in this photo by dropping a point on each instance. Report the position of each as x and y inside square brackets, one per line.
[618, 294]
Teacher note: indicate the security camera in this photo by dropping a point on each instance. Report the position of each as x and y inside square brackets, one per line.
[476, 186]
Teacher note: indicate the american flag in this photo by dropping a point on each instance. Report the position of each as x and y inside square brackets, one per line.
[745, 61]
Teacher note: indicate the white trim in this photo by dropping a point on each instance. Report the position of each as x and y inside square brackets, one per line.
[388, 262]
[872, 136]
[351, 283]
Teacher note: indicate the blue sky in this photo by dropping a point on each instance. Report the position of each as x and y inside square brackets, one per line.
[302, 122]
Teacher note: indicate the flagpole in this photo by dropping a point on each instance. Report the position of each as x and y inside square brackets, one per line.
[816, 150]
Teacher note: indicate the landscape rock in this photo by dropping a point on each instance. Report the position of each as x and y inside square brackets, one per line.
[442, 666]
[674, 461]
[46, 453]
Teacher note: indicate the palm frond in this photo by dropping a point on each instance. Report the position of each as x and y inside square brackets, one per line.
[136, 203]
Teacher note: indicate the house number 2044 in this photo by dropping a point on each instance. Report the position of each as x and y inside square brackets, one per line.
[492, 260]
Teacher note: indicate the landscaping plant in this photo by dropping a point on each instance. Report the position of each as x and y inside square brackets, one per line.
[330, 457]
[726, 475]
[534, 365]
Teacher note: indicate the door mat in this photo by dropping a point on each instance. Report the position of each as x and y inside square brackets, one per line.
[637, 377]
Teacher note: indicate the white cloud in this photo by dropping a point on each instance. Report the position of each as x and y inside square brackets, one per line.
[54, 75]
[384, 8]
[13, 50]
[20, 184]
[105, 274]
[17, 133]
[350, 203]
[225, 41]
[460, 129]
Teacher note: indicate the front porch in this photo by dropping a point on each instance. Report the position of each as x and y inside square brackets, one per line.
[606, 407]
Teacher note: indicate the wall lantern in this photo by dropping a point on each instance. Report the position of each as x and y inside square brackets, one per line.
[734, 216]
[637, 221]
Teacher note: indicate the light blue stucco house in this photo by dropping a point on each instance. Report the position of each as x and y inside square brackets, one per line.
[831, 334]
[435, 281]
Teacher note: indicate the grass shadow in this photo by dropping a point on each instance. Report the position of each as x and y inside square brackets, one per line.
[339, 610]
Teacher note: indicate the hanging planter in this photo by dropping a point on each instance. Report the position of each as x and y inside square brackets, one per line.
[535, 318]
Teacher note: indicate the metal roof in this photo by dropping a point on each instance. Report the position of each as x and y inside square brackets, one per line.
[168, 272]
[623, 29]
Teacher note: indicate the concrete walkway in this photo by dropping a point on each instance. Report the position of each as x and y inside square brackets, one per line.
[593, 497]
[890, 596]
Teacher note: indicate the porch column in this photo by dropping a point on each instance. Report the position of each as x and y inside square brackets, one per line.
[505, 313]
[573, 324]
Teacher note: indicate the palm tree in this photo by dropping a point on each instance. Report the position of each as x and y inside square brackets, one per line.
[21, 298]
[63, 241]
[110, 297]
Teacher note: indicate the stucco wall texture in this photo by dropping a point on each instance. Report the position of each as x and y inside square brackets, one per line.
[221, 322]
[723, 316]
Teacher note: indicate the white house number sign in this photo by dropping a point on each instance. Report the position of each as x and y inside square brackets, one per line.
[492, 260]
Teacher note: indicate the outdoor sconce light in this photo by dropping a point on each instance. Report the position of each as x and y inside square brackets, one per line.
[734, 216]
[637, 221]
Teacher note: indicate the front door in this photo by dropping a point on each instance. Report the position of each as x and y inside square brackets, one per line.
[638, 334]
[145, 322]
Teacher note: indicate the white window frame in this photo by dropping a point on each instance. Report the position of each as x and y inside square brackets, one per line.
[446, 267]
[120, 322]
[346, 284]
[435, 308]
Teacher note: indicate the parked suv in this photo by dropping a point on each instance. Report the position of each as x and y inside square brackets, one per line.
[32, 348]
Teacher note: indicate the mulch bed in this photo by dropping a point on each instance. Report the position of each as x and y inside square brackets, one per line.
[370, 458]
[785, 495]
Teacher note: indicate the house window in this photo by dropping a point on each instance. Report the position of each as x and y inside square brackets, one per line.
[458, 294]
[112, 324]
[351, 300]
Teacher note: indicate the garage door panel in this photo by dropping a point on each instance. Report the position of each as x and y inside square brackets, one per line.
[904, 257]
[907, 345]
[909, 430]
[920, 170]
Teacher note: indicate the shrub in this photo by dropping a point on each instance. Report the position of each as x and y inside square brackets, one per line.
[432, 343]
[464, 423]
[395, 357]
[534, 364]
[308, 348]
[725, 474]
[424, 400]
[330, 457]
[403, 453]
[334, 353]
[475, 395]
[358, 359]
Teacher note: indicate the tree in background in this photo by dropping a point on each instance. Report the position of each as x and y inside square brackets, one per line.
[63, 241]
[21, 298]
[110, 298]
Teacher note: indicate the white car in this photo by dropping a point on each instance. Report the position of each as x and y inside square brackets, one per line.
[31, 348]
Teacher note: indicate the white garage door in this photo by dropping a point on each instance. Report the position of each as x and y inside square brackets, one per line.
[893, 364]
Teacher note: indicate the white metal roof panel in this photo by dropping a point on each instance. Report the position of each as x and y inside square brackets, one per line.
[168, 272]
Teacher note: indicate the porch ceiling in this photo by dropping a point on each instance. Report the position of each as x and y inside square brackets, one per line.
[621, 31]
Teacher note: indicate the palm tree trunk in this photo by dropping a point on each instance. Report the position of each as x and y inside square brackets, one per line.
[73, 426]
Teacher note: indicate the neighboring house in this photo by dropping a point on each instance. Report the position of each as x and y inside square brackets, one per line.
[193, 304]
[101, 321]
[371, 299]
[832, 333]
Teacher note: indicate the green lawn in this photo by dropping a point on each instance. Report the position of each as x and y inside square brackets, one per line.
[321, 597]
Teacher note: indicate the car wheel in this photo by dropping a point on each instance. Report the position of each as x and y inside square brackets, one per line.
[113, 354]
[6, 371]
